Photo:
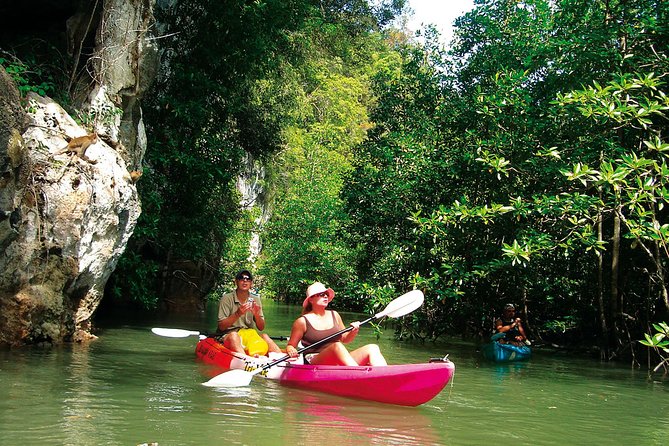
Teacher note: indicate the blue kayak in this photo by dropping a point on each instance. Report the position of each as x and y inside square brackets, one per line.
[495, 351]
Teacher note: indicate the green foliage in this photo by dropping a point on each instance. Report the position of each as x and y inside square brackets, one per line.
[659, 339]
[224, 97]
[306, 238]
[504, 176]
[560, 326]
[142, 287]
[29, 76]
[659, 342]
[101, 113]
[303, 239]
[237, 251]
[284, 83]
[491, 173]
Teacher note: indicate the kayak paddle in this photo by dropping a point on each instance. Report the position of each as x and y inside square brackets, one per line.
[179, 333]
[497, 336]
[175, 332]
[402, 305]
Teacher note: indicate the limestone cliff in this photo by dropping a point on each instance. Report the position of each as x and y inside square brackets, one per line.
[65, 220]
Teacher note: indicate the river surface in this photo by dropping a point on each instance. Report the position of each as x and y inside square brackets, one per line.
[132, 387]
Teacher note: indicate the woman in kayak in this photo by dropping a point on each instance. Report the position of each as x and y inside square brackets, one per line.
[317, 323]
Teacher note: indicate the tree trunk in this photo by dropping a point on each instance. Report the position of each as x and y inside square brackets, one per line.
[616, 310]
[660, 275]
[604, 341]
[526, 319]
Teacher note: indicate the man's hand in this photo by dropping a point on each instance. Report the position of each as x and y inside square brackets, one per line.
[243, 308]
[255, 308]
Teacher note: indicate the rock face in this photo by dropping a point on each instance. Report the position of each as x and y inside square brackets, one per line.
[65, 220]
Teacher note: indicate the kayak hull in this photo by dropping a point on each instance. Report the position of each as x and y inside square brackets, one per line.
[495, 351]
[403, 384]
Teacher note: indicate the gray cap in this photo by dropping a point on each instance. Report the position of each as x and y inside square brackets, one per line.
[244, 272]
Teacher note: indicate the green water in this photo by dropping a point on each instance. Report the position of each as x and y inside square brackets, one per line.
[132, 387]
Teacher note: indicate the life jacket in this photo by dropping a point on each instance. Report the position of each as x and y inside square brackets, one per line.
[513, 332]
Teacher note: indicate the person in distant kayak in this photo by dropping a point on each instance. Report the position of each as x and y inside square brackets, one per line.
[316, 323]
[239, 315]
[511, 325]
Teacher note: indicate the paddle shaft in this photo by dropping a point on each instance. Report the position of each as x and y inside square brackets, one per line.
[181, 333]
[276, 338]
[309, 347]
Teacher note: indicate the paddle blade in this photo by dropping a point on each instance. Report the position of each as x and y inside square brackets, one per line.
[402, 305]
[174, 332]
[232, 378]
[497, 336]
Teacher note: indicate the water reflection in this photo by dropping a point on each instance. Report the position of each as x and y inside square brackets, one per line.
[266, 410]
[505, 372]
[79, 395]
[333, 420]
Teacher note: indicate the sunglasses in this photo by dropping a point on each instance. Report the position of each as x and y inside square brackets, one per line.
[245, 279]
[323, 294]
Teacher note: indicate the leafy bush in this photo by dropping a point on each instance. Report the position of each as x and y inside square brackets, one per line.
[28, 76]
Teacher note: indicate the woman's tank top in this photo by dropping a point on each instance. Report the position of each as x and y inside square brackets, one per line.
[312, 335]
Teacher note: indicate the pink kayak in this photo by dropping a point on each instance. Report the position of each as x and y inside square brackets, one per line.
[404, 384]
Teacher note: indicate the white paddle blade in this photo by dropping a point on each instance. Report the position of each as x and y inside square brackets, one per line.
[174, 332]
[232, 378]
[404, 304]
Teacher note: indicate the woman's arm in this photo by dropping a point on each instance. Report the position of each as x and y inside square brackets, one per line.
[296, 333]
[349, 336]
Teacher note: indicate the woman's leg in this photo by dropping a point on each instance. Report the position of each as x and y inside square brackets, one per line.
[334, 354]
[369, 354]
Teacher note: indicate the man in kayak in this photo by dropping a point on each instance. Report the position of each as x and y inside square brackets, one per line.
[317, 323]
[511, 325]
[239, 315]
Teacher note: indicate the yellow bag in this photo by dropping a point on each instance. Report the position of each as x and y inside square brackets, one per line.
[252, 342]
